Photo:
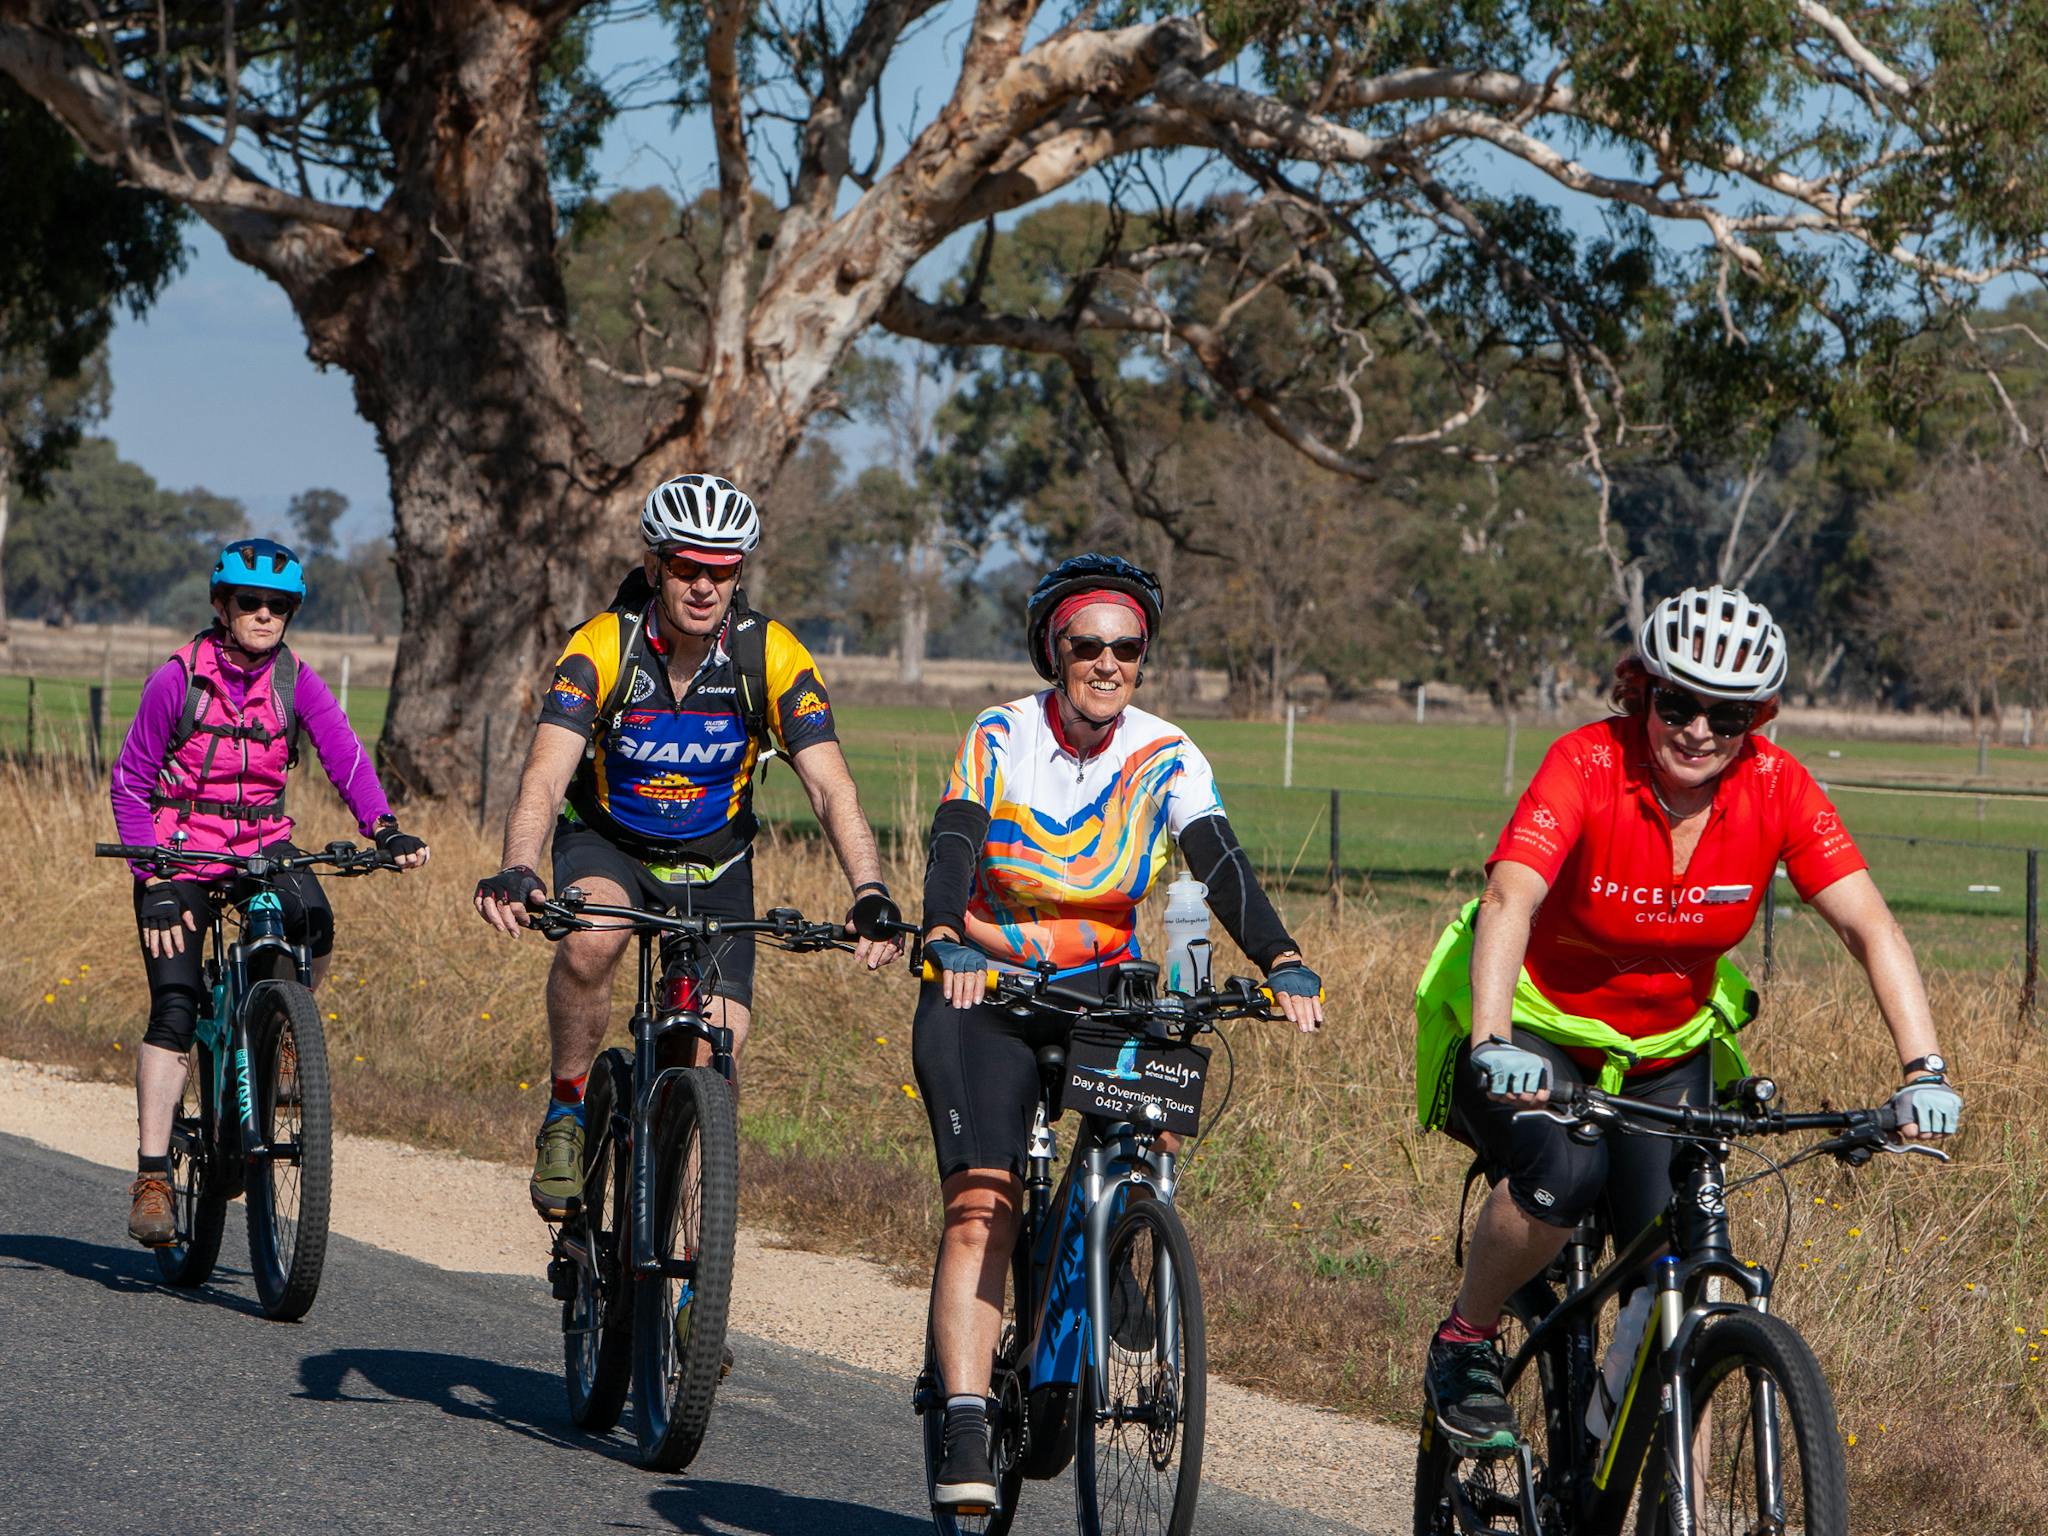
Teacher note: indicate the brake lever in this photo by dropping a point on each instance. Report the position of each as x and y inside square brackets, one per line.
[1909, 1148]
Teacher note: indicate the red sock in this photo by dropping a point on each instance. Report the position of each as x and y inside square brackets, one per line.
[1457, 1329]
[569, 1090]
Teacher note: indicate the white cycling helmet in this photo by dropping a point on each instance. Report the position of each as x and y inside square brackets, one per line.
[703, 514]
[1716, 642]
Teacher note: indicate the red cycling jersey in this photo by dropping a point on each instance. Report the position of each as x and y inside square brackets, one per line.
[1620, 938]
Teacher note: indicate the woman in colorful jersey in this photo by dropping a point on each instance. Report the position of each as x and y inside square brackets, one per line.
[1055, 825]
[219, 778]
[1635, 861]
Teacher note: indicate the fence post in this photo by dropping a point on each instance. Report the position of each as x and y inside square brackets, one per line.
[483, 776]
[346, 658]
[1287, 761]
[1421, 701]
[1336, 843]
[96, 706]
[2030, 985]
[29, 754]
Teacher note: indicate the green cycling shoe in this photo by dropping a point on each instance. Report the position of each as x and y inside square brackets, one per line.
[557, 1186]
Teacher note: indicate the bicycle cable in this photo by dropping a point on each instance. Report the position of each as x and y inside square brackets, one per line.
[1771, 1166]
[1229, 1085]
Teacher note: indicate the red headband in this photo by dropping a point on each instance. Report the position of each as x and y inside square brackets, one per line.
[1064, 614]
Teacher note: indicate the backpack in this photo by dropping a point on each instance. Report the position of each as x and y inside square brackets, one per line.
[746, 642]
[284, 683]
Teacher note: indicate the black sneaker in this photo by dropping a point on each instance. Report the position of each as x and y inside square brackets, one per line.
[1131, 1331]
[1462, 1385]
[965, 1477]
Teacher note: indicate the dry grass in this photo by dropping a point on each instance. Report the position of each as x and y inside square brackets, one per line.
[1323, 1216]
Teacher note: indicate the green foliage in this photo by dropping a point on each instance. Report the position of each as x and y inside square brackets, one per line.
[313, 514]
[105, 541]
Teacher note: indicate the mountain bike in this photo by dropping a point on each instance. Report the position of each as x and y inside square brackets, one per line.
[1725, 1418]
[256, 1114]
[643, 1263]
[1102, 1359]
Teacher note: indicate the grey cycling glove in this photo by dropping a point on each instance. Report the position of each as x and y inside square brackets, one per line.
[1930, 1104]
[1506, 1069]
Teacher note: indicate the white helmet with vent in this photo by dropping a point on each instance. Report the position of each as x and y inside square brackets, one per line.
[1717, 643]
[703, 514]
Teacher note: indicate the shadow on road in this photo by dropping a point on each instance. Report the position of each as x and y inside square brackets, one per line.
[526, 1401]
[717, 1508]
[126, 1268]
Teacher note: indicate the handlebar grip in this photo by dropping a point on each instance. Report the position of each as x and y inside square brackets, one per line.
[122, 851]
[930, 972]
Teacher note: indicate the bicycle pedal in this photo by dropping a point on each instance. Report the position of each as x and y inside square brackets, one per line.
[562, 1278]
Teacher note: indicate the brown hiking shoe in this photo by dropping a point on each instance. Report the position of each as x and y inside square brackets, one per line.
[151, 1220]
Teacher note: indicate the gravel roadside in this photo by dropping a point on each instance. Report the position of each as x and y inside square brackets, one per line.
[462, 1214]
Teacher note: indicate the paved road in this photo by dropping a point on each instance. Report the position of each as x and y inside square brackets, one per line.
[411, 1401]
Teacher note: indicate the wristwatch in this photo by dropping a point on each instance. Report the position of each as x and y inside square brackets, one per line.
[1928, 1063]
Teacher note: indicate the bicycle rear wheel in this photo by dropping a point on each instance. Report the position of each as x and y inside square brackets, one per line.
[1767, 1455]
[597, 1321]
[290, 1191]
[199, 1200]
[679, 1318]
[1138, 1471]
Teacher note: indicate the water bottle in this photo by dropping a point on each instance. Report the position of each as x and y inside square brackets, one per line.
[1620, 1361]
[1187, 926]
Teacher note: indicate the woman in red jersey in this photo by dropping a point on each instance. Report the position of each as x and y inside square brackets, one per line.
[1636, 859]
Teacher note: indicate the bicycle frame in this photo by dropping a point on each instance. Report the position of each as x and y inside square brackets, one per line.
[231, 972]
[1681, 1250]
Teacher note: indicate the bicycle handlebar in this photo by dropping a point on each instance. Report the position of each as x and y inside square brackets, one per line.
[1863, 1131]
[343, 857]
[1238, 998]
[568, 912]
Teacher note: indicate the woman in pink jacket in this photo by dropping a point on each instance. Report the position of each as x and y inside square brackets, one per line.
[208, 754]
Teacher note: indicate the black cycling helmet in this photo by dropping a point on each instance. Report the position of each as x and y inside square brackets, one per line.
[1080, 574]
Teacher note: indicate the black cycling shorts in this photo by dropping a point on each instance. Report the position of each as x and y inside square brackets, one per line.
[977, 1072]
[1560, 1181]
[581, 851]
[174, 1000]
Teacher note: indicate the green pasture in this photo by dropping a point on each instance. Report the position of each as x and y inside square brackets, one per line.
[1419, 807]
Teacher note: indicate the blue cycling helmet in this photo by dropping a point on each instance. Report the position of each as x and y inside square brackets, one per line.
[1080, 574]
[263, 565]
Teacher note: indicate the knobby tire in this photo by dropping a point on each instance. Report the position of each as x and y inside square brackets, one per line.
[1141, 1476]
[1730, 1359]
[289, 1196]
[597, 1323]
[696, 1216]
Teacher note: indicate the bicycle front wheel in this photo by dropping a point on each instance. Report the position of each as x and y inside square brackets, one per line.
[290, 1192]
[199, 1197]
[597, 1321]
[1766, 1453]
[679, 1313]
[1138, 1465]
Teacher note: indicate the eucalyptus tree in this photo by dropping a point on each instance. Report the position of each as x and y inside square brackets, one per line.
[1782, 191]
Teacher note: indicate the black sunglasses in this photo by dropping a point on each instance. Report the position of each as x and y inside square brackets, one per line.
[1726, 718]
[1088, 647]
[277, 602]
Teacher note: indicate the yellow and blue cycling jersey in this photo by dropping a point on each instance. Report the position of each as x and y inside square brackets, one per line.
[1074, 843]
[668, 777]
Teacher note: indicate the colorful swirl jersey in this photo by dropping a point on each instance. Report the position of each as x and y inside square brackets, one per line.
[1074, 843]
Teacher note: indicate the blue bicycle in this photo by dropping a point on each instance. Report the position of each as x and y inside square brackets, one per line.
[257, 1115]
[1102, 1359]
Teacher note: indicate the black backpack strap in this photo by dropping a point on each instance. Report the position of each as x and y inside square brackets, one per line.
[747, 644]
[284, 690]
[187, 724]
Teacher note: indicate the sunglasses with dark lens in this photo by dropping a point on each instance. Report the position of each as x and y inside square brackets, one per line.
[684, 569]
[253, 602]
[1726, 718]
[1088, 647]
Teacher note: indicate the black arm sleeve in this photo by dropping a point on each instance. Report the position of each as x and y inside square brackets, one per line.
[1214, 858]
[959, 828]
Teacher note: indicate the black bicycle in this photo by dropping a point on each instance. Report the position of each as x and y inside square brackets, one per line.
[643, 1264]
[1723, 1416]
[1102, 1359]
[266, 1127]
